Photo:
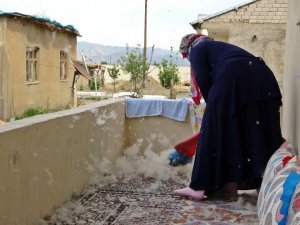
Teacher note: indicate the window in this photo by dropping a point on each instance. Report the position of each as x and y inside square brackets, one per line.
[31, 63]
[63, 65]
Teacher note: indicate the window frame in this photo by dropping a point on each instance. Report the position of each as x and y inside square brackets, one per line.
[32, 54]
[63, 65]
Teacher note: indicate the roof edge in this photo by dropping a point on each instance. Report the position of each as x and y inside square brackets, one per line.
[202, 18]
[45, 21]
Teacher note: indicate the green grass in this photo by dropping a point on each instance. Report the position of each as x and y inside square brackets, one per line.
[30, 112]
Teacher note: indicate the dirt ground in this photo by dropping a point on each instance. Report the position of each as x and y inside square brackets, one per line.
[152, 87]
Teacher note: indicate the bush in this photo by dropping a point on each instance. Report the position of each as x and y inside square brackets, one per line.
[168, 71]
[114, 74]
[92, 85]
[137, 66]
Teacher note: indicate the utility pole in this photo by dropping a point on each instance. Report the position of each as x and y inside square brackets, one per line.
[145, 42]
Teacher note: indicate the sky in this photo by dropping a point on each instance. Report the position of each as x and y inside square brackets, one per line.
[121, 22]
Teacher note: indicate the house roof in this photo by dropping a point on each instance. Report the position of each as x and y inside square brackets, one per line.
[51, 24]
[201, 18]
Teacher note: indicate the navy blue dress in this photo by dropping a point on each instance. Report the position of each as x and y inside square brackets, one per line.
[241, 124]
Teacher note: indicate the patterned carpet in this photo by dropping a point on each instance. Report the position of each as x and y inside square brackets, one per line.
[217, 212]
[146, 201]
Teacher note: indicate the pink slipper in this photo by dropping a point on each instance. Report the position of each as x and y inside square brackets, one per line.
[189, 192]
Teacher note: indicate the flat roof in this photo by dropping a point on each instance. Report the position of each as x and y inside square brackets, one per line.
[51, 24]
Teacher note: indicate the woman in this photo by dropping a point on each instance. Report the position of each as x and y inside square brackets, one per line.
[241, 124]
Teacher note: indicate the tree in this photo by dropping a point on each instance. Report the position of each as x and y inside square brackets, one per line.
[134, 64]
[114, 74]
[168, 71]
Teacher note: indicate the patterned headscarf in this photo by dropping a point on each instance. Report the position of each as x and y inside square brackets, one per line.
[190, 40]
[187, 42]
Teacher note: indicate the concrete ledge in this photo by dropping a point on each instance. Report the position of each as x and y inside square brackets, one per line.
[47, 158]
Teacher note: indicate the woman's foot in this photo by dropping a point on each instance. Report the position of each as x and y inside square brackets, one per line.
[228, 193]
[189, 192]
[231, 188]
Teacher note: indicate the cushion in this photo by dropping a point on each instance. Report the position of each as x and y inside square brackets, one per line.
[280, 165]
[294, 207]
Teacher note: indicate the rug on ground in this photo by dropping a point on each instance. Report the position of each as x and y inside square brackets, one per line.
[141, 200]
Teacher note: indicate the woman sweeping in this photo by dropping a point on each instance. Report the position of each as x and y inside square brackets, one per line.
[241, 125]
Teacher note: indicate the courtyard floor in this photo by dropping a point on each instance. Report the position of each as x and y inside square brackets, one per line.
[141, 193]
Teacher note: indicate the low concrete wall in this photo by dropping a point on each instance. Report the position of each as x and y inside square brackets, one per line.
[47, 158]
[156, 133]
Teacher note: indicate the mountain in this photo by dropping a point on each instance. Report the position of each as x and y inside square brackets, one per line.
[97, 53]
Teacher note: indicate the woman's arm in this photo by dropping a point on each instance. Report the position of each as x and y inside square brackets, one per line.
[201, 67]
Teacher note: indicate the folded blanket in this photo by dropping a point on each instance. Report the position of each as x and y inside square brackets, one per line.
[172, 109]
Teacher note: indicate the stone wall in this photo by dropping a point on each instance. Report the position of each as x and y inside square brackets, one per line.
[263, 40]
[261, 11]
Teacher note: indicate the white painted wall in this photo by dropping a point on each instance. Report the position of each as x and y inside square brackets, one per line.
[291, 107]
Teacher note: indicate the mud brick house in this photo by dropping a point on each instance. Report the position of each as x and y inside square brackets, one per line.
[35, 67]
